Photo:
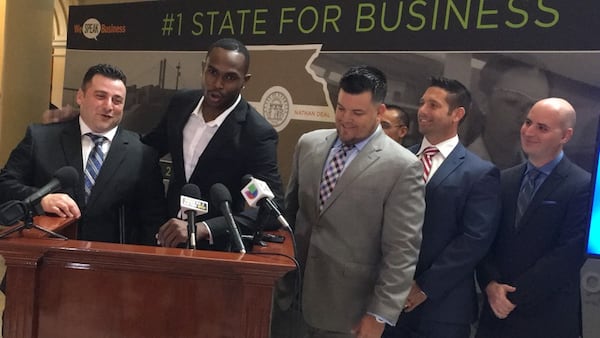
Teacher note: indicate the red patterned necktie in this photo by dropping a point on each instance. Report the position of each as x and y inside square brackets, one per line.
[332, 173]
[426, 156]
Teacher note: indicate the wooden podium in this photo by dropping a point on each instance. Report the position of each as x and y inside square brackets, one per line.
[70, 288]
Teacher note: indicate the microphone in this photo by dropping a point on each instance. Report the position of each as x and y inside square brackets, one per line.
[191, 204]
[63, 178]
[221, 196]
[12, 212]
[257, 192]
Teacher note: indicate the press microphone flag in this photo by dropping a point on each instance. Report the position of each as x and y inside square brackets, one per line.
[191, 205]
[257, 193]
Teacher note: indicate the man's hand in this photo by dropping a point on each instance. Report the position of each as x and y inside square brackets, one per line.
[368, 327]
[60, 204]
[496, 294]
[174, 232]
[416, 297]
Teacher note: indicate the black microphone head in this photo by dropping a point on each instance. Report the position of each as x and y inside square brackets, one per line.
[191, 190]
[67, 176]
[246, 179]
[219, 194]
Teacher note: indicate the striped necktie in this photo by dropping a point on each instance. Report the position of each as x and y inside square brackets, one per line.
[332, 173]
[528, 187]
[426, 156]
[94, 163]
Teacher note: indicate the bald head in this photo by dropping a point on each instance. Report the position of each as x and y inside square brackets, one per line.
[547, 128]
[564, 110]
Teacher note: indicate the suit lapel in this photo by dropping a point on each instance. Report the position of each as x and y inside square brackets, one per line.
[364, 159]
[177, 130]
[453, 161]
[70, 141]
[112, 162]
[557, 176]
[317, 164]
[227, 134]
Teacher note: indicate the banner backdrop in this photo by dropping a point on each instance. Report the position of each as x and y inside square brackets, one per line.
[509, 53]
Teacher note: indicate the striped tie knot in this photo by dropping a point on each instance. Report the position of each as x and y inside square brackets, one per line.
[426, 156]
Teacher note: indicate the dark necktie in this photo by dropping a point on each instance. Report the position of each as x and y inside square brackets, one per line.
[94, 163]
[332, 173]
[426, 157]
[528, 187]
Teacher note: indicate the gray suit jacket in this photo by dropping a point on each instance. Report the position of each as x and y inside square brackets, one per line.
[359, 254]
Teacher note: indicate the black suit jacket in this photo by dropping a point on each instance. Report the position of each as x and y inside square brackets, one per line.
[461, 218]
[130, 177]
[244, 144]
[541, 257]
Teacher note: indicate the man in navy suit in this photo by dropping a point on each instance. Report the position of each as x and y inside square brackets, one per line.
[215, 136]
[531, 275]
[128, 190]
[461, 216]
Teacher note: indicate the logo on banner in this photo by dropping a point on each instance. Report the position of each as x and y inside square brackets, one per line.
[91, 28]
[276, 104]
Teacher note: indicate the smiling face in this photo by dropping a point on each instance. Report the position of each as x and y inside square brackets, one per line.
[545, 131]
[437, 121]
[101, 103]
[356, 116]
[224, 76]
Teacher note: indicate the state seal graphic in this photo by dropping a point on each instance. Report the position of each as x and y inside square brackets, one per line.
[276, 104]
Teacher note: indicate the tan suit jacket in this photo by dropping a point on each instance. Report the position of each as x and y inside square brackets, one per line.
[359, 254]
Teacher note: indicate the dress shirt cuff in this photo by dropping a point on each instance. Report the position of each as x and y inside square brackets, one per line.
[210, 237]
[380, 319]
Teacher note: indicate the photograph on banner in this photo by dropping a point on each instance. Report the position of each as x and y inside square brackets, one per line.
[294, 87]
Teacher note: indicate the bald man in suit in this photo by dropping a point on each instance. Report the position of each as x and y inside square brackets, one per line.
[531, 275]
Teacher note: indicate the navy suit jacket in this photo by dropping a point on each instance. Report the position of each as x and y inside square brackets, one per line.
[130, 177]
[541, 257]
[244, 144]
[461, 217]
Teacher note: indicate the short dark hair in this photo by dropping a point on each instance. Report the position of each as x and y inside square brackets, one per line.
[402, 114]
[359, 79]
[458, 94]
[496, 66]
[106, 70]
[232, 45]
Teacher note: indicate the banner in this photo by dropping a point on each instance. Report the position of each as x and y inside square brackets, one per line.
[508, 53]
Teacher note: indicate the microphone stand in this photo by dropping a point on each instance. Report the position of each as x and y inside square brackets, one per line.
[28, 224]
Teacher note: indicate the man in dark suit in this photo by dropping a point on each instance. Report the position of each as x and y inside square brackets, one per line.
[531, 275]
[461, 217]
[215, 136]
[128, 189]
[358, 235]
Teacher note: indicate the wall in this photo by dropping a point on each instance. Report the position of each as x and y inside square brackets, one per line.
[25, 67]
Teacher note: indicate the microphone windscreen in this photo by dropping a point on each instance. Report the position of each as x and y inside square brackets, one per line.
[191, 190]
[67, 176]
[219, 194]
[246, 179]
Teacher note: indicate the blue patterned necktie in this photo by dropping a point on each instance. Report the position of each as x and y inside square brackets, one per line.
[526, 194]
[332, 173]
[94, 163]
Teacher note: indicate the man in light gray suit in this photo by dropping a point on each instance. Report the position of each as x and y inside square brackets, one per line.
[356, 201]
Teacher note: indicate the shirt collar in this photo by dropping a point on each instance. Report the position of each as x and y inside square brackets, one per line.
[360, 144]
[110, 135]
[219, 120]
[445, 147]
[547, 168]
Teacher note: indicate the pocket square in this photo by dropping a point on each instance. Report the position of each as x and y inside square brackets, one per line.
[549, 202]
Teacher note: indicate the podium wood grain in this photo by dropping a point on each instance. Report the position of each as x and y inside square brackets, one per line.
[70, 288]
